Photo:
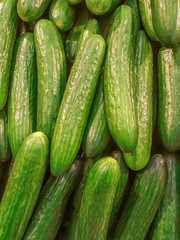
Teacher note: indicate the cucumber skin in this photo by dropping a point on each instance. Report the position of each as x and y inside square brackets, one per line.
[51, 65]
[23, 186]
[51, 204]
[139, 157]
[72, 117]
[5, 151]
[120, 106]
[62, 15]
[22, 95]
[8, 31]
[98, 7]
[143, 200]
[28, 10]
[97, 199]
[166, 221]
[169, 98]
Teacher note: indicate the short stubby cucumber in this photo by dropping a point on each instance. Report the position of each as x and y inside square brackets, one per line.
[51, 67]
[76, 105]
[98, 7]
[22, 95]
[23, 186]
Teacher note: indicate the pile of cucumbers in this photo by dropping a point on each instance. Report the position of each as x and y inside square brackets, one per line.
[89, 119]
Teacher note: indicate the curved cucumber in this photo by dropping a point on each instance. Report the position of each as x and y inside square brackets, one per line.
[169, 97]
[119, 89]
[139, 157]
[143, 201]
[22, 96]
[8, 30]
[29, 10]
[73, 2]
[5, 151]
[97, 199]
[23, 186]
[51, 66]
[62, 15]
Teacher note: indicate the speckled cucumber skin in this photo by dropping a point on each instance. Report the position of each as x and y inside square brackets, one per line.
[119, 88]
[139, 157]
[8, 30]
[51, 66]
[22, 95]
[166, 221]
[169, 98]
[72, 116]
[143, 200]
[23, 186]
[30, 10]
[97, 199]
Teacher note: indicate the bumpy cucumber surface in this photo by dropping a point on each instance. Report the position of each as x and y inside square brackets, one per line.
[51, 66]
[119, 88]
[23, 186]
[8, 30]
[22, 96]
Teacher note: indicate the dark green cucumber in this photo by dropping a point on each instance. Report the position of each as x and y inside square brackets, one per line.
[143, 201]
[62, 15]
[169, 97]
[29, 10]
[5, 151]
[8, 30]
[166, 222]
[22, 96]
[99, 7]
[139, 157]
[119, 88]
[51, 204]
[72, 117]
[73, 2]
[96, 135]
[23, 186]
[51, 66]
[166, 15]
[97, 199]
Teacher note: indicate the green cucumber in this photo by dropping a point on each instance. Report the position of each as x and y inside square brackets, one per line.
[139, 157]
[51, 66]
[29, 10]
[72, 117]
[22, 96]
[120, 105]
[73, 2]
[62, 15]
[166, 222]
[143, 201]
[98, 7]
[97, 199]
[169, 97]
[5, 151]
[96, 135]
[8, 30]
[23, 186]
[49, 211]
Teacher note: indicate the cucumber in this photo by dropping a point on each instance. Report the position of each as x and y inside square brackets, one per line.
[98, 7]
[51, 66]
[169, 98]
[62, 15]
[166, 15]
[146, 16]
[22, 95]
[96, 135]
[5, 151]
[72, 116]
[29, 10]
[8, 31]
[120, 106]
[73, 2]
[49, 211]
[166, 222]
[139, 158]
[143, 200]
[23, 186]
[97, 199]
